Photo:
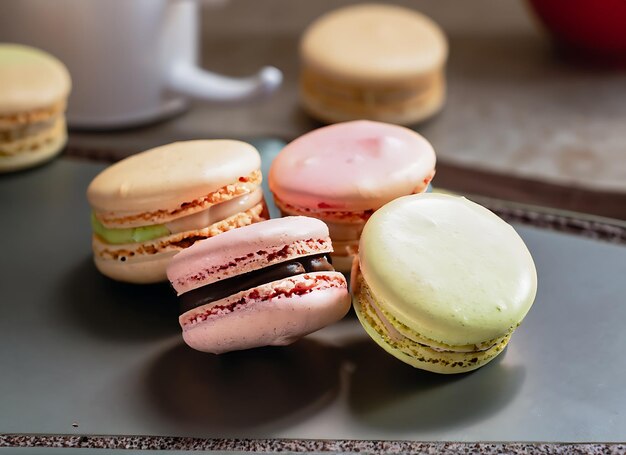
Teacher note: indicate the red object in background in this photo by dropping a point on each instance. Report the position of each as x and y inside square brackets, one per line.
[595, 26]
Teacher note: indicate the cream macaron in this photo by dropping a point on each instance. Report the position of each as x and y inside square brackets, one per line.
[34, 87]
[342, 173]
[150, 206]
[441, 283]
[373, 61]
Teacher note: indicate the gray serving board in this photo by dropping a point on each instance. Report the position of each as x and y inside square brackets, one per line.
[81, 354]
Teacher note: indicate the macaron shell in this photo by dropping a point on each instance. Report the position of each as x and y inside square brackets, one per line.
[448, 268]
[30, 79]
[34, 150]
[168, 176]
[374, 42]
[353, 166]
[273, 322]
[150, 270]
[413, 348]
[422, 103]
[246, 248]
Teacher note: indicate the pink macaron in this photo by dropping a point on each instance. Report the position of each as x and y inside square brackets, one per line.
[270, 283]
[342, 173]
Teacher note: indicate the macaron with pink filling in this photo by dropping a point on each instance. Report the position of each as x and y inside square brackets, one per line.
[342, 173]
[265, 284]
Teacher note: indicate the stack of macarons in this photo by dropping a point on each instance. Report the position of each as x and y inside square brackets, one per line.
[343, 173]
[150, 206]
[34, 87]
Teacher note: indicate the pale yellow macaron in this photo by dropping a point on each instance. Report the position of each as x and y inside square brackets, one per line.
[373, 61]
[148, 207]
[441, 282]
[34, 87]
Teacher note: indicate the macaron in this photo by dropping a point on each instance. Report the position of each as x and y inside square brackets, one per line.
[270, 283]
[148, 207]
[34, 87]
[373, 61]
[342, 173]
[441, 282]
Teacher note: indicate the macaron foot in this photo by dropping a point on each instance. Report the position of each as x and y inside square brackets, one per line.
[439, 358]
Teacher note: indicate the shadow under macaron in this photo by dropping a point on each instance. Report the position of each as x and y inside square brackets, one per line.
[260, 390]
[115, 310]
[387, 393]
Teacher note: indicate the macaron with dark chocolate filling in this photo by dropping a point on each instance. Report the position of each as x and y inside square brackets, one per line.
[266, 284]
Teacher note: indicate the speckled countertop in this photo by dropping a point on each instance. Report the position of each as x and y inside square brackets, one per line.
[306, 446]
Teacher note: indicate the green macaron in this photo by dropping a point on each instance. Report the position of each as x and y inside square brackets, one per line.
[442, 282]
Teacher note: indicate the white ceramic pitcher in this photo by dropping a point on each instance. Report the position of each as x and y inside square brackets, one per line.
[131, 61]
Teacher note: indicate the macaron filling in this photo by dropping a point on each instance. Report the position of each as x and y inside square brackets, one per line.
[135, 252]
[27, 130]
[195, 221]
[298, 285]
[224, 288]
[18, 119]
[130, 235]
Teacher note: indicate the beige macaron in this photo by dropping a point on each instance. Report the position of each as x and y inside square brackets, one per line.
[148, 207]
[373, 61]
[34, 87]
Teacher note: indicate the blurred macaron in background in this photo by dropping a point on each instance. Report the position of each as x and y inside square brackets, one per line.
[34, 87]
[373, 61]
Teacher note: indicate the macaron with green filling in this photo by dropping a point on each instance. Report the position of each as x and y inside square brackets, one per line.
[148, 207]
[441, 282]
